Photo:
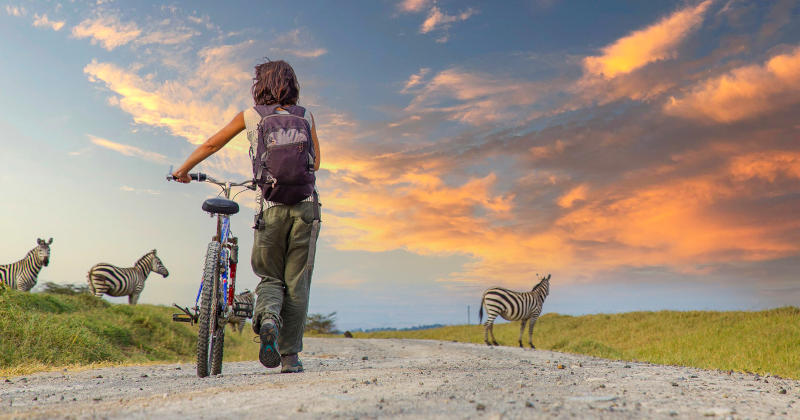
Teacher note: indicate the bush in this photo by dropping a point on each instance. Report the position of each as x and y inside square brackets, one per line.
[64, 289]
[321, 324]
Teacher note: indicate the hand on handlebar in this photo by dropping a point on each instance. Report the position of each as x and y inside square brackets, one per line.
[182, 177]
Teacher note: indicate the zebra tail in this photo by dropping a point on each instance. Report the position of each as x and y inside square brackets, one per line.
[480, 313]
[89, 280]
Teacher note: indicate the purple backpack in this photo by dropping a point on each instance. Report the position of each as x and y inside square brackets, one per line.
[283, 163]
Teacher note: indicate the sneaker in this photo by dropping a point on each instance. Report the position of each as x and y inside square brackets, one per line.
[269, 355]
[291, 364]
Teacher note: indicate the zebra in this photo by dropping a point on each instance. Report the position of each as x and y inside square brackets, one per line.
[115, 281]
[513, 306]
[247, 297]
[22, 274]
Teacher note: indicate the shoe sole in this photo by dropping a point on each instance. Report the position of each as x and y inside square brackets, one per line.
[292, 370]
[269, 355]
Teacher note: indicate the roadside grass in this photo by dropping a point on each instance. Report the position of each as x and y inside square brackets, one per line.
[760, 342]
[51, 331]
[44, 331]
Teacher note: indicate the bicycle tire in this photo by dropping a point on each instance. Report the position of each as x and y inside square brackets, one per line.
[218, 338]
[207, 305]
[216, 351]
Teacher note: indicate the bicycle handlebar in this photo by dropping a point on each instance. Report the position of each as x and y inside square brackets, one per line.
[201, 177]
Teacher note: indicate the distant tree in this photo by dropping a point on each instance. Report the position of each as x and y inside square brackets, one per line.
[64, 289]
[321, 323]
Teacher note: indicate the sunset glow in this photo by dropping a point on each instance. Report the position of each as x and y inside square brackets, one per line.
[477, 143]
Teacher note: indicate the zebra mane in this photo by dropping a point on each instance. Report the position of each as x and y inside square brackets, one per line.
[146, 259]
[542, 285]
[31, 256]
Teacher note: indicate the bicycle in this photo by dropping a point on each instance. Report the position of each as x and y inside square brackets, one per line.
[215, 302]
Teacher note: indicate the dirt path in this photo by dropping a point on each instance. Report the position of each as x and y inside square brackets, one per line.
[351, 378]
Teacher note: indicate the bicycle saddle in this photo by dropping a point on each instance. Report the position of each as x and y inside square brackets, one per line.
[220, 206]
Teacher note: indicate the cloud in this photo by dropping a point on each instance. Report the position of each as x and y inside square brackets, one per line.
[584, 193]
[139, 191]
[15, 10]
[43, 21]
[297, 43]
[767, 166]
[656, 42]
[743, 92]
[684, 221]
[471, 97]
[578, 193]
[128, 150]
[414, 6]
[209, 89]
[107, 31]
[437, 19]
[415, 79]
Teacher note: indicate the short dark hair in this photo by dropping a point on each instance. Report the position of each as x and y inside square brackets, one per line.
[275, 83]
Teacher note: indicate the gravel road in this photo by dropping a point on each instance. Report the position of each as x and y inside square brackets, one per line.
[351, 378]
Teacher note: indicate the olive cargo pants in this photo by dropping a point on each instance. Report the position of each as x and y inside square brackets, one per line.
[283, 257]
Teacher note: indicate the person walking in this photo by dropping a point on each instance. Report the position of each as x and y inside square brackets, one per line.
[285, 154]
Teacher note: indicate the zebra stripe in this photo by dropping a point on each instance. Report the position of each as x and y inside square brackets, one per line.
[247, 297]
[22, 275]
[513, 306]
[115, 281]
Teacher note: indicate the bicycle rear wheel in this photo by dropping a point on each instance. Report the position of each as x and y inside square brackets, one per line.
[207, 317]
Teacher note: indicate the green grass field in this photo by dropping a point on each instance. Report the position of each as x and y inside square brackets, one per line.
[760, 342]
[42, 331]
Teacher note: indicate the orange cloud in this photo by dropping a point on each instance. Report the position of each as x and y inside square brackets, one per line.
[766, 166]
[675, 222]
[420, 213]
[656, 42]
[413, 5]
[170, 105]
[743, 92]
[578, 193]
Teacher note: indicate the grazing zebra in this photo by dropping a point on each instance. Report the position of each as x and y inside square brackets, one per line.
[114, 281]
[513, 306]
[246, 296]
[22, 274]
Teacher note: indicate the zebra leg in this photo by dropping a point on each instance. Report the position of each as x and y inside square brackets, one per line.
[241, 325]
[521, 331]
[132, 299]
[530, 333]
[491, 332]
[486, 333]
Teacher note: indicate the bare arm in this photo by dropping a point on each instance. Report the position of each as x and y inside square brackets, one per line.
[211, 146]
[316, 143]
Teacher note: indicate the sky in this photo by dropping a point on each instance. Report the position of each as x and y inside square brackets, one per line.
[646, 154]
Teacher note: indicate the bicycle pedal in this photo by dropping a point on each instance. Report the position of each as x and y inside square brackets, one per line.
[243, 309]
[183, 318]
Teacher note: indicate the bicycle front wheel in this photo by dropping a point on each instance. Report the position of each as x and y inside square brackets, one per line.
[207, 318]
[216, 350]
